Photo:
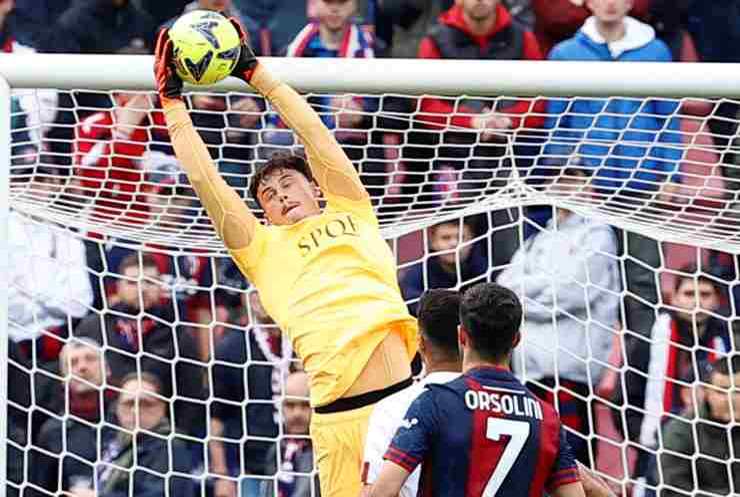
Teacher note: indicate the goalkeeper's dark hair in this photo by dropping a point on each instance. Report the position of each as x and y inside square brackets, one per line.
[278, 160]
[492, 316]
[439, 316]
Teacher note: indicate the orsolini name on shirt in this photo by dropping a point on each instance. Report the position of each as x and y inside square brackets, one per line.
[502, 400]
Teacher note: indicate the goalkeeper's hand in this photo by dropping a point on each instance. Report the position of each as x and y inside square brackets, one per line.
[169, 84]
[247, 60]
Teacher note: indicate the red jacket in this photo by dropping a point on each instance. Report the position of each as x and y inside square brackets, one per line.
[452, 115]
[108, 168]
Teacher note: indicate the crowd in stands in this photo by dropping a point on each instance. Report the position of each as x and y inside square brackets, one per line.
[114, 333]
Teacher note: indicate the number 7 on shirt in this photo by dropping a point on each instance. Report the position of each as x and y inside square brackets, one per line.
[518, 432]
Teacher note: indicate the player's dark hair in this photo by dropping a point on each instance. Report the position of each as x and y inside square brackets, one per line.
[278, 160]
[492, 316]
[687, 274]
[132, 260]
[726, 366]
[439, 315]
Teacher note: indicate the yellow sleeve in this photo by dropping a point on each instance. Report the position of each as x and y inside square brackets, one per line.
[230, 216]
[330, 166]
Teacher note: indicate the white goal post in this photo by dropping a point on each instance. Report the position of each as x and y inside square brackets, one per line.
[702, 215]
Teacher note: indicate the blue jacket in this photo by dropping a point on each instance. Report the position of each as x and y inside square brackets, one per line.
[590, 127]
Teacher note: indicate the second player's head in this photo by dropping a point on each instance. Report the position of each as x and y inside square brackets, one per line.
[439, 317]
[284, 188]
[490, 318]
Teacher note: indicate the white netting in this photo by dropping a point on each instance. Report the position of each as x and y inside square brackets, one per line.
[640, 193]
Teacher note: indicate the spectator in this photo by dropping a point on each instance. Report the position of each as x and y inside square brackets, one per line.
[278, 21]
[570, 285]
[48, 292]
[293, 465]
[70, 444]
[683, 340]
[466, 159]
[33, 17]
[141, 457]
[227, 8]
[439, 318]
[701, 450]
[49, 289]
[142, 321]
[558, 20]
[401, 24]
[634, 143]
[100, 26]
[36, 107]
[109, 146]
[333, 33]
[259, 344]
[451, 247]
[592, 125]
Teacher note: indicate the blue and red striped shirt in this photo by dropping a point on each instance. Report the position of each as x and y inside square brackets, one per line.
[480, 433]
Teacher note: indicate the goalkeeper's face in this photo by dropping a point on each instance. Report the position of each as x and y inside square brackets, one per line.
[288, 197]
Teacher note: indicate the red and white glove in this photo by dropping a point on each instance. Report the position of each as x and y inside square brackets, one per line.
[244, 67]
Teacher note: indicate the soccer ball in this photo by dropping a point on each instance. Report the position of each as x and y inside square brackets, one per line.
[206, 47]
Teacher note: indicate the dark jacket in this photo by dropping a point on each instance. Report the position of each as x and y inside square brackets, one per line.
[413, 280]
[707, 441]
[278, 21]
[156, 458]
[250, 412]
[97, 26]
[296, 456]
[33, 17]
[162, 342]
[71, 441]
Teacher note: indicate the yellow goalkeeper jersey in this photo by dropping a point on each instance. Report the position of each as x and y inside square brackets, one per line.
[330, 283]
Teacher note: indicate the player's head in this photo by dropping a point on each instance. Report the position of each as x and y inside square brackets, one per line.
[609, 11]
[723, 392]
[140, 405]
[335, 14]
[296, 408]
[686, 292]
[478, 10]
[446, 237]
[439, 317]
[81, 360]
[284, 188]
[490, 318]
[139, 278]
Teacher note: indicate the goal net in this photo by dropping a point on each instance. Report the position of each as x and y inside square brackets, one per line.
[615, 218]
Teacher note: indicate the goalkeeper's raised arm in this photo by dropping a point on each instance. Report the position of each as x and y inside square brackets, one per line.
[327, 278]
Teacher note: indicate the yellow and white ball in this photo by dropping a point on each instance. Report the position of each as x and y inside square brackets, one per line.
[206, 47]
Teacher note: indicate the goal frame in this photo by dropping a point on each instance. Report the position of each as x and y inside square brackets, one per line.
[376, 76]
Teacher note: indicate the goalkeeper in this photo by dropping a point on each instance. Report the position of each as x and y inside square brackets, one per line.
[327, 278]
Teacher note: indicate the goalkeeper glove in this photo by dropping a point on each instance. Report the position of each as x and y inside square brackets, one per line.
[169, 84]
[247, 60]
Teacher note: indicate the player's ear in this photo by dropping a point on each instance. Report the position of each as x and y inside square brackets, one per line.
[462, 337]
[517, 339]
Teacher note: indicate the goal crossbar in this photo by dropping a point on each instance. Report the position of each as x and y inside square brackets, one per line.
[408, 76]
